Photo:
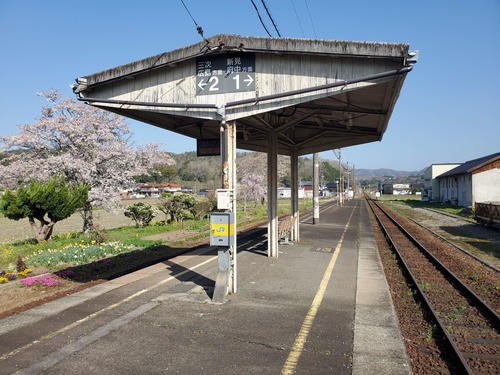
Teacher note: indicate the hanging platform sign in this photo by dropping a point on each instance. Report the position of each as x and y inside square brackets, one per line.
[208, 147]
[219, 74]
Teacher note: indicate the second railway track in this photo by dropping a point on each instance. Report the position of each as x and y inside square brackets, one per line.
[469, 325]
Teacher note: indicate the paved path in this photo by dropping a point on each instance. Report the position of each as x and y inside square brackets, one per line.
[323, 307]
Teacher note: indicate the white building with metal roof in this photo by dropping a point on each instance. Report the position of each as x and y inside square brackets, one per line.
[472, 182]
[431, 183]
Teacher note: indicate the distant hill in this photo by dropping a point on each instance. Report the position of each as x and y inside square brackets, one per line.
[386, 172]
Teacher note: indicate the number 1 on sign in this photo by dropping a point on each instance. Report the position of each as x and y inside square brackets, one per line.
[237, 79]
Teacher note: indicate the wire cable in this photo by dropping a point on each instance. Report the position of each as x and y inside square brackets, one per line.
[199, 29]
[190, 15]
[270, 17]
[298, 18]
[310, 19]
[260, 18]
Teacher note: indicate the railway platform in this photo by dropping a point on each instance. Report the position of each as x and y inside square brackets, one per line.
[321, 307]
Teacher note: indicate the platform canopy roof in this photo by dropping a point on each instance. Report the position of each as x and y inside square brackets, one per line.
[316, 95]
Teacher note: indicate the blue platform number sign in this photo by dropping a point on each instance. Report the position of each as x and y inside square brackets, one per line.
[219, 74]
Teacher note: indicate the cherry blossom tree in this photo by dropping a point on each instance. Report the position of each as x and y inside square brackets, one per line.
[251, 188]
[85, 144]
[252, 175]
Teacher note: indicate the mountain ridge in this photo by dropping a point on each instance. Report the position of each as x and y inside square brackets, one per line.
[380, 172]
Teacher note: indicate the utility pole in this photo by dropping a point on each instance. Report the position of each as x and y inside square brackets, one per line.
[354, 180]
[348, 175]
[315, 188]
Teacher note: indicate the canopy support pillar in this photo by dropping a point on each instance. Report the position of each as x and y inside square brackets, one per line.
[272, 195]
[294, 161]
[315, 188]
[225, 281]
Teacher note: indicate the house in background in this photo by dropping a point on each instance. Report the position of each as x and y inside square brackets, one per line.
[396, 189]
[472, 182]
[286, 192]
[431, 184]
[308, 188]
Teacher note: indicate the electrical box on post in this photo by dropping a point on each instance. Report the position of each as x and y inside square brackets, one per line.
[221, 229]
[223, 199]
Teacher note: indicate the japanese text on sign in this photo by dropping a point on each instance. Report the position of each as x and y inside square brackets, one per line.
[225, 73]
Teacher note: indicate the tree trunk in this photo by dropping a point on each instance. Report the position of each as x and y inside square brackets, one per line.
[87, 216]
[43, 232]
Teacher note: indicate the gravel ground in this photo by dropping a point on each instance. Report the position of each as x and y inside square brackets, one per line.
[483, 242]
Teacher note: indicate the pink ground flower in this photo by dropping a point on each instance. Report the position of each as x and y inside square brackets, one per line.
[47, 280]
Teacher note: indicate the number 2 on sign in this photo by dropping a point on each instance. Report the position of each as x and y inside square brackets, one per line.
[214, 81]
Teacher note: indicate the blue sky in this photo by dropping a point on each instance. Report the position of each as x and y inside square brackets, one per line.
[448, 111]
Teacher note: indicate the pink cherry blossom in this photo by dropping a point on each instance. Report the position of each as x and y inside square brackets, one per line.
[83, 143]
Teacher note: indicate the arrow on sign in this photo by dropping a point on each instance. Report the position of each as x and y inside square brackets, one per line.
[202, 84]
[249, 80]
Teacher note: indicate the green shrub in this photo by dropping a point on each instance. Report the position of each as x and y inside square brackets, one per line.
[141, 213]
[46, 202]
[178, 208]
[203, 207]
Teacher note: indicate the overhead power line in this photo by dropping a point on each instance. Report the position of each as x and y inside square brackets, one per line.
[260, 18]
[310, 18]
[270, 17]
[298, 18]
[199, 29]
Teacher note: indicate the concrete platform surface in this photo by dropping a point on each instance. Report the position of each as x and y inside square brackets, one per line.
[322, 307]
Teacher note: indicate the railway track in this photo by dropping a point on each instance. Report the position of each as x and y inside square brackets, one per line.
[469, 326]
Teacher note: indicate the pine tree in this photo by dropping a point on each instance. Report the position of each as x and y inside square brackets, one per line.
[43, 202]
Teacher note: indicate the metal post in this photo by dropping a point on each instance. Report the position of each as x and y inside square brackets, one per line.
[234, 247]
[272, 196]
[226, 277]
[294, 161]
[342, 189]
[315, 188]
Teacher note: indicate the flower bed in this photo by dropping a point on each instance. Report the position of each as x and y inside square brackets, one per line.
[5, 277]
[76, 253]
[47, 280]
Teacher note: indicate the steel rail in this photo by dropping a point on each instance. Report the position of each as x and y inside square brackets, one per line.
[494, 317]
[456, 352]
